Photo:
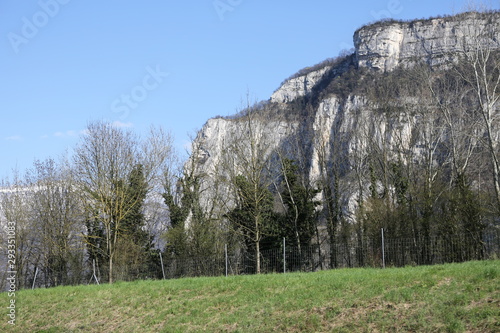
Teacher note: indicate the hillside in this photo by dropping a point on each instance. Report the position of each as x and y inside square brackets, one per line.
[448, 298]
[401, 135]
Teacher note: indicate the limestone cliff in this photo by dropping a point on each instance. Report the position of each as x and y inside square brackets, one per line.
[302, 115]
[384, 46]
[299, 86]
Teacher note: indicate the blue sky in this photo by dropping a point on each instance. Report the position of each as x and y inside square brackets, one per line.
[176, 64]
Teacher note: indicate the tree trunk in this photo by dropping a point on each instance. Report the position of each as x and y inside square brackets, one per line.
[110, 278]
[494, 161]
[257, 255]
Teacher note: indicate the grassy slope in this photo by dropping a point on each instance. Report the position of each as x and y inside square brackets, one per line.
[455, 297]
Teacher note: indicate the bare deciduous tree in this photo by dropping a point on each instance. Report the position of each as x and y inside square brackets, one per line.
[16, 207]
[103, 161]
[247, 163]
[479, 66]
[57, 218]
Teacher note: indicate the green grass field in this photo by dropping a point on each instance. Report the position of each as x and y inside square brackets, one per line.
[446, 298]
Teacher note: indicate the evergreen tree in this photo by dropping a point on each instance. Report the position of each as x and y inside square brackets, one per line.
[298, 222]
[94, 241]
[133, 222]
[253, 216]
[180, 202]
[136, 241]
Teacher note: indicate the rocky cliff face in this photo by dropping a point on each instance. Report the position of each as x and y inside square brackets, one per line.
[299, 86]
[435, 41]
[340, 128]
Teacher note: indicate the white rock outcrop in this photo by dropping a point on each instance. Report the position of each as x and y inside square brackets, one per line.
[384, 46]
[299, 86]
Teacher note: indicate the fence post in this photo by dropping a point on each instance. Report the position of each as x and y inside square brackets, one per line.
[383, 249]
[284, 255]
[34, 279]
[225, 255]
[93, 271]
[162, 268]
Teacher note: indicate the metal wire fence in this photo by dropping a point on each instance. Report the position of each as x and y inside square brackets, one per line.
[362, 252]
[379, 252]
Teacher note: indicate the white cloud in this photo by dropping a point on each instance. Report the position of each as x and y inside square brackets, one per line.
[120, 124]
[14, 138]
[67, 134]
[74, 134]
[188, 146]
